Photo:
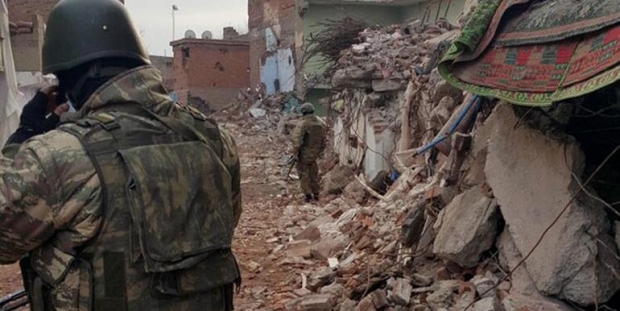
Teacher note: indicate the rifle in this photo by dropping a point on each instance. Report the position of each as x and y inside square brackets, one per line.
[292, 162]
[13, 301]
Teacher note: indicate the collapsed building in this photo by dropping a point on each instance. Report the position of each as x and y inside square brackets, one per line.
[477, 166]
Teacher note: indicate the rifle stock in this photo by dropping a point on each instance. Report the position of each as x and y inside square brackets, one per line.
[13, 301]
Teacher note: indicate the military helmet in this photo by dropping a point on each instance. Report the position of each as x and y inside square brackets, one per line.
[307, 108]
[81, 31]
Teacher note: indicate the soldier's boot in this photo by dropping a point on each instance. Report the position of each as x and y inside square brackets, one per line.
[315, 197]
[308, 198]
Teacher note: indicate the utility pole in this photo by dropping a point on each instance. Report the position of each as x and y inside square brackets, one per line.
[174, 9]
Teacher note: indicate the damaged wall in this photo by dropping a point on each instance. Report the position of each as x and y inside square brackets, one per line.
[213, 70]
[367, 137]
[274, 46]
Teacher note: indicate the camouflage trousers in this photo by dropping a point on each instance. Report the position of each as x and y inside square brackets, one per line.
[308, 177]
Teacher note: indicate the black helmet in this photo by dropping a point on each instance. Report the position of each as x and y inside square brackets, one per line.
[307, 108]
[81, 31]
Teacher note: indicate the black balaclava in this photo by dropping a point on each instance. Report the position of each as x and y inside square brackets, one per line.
[81, 82]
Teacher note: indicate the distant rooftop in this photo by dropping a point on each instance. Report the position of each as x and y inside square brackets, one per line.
[369, 2]
[210, 42]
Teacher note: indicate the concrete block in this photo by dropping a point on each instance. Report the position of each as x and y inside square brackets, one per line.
[531, 177]
[469, 228]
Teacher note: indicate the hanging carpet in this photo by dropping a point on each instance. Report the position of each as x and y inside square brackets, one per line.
[534, 52]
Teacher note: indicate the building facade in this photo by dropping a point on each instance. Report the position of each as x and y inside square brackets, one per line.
[210, 72]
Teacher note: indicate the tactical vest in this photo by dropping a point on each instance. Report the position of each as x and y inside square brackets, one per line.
[165, 241]
[314, 140]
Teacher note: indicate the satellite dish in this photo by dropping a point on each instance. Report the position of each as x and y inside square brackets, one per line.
[190, 34]
[207, 35]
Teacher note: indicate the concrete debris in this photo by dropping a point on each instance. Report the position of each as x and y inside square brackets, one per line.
[337, 179]
[419, 280]
[335, 289]
[469, 228]
[523, 292]
[329, 247]
[299, 249]
[533, 185]
[311, 233]
[348, 305]
[379, 299]
[444, 297]
[401, 292]
[465, 300]
[333, 263]
[487, 304]
[322, 302]
[385, 55]
[257, 112]
[485, 286]
[412, 228]
[366, 305]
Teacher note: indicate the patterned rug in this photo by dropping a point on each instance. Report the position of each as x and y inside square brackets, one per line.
[533, 52]
[553, 20]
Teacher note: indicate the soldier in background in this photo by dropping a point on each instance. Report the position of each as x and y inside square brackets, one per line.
[132, 202]
[308, 144]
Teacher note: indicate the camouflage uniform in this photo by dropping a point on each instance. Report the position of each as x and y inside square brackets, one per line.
[114, 212]
[308, 144]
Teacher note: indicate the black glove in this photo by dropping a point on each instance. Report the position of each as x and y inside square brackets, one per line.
[32, 121]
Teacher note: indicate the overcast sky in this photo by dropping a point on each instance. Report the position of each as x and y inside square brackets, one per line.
[154, 19]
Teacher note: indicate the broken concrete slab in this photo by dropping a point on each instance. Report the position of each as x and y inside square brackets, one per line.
[337, 179]
[469, 228]
[318, 303]
[333, 289]
[329, 246]
[299, 249]
[523, 292]
[311, 233]
[401, 292]
[379, 299]
[531, 177]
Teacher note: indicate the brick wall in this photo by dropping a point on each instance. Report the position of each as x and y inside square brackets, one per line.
[22, 10]
[214, 70]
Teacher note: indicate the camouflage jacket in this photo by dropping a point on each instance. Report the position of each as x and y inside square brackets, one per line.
[309, 138]
[76, 233]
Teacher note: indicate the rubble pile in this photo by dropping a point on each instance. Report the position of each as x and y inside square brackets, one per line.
[266, 114]
[497, 218]
[432, 244]
[387, 58]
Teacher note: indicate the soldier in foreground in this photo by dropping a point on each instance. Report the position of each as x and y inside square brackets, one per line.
[132, 202]
[308, 144]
